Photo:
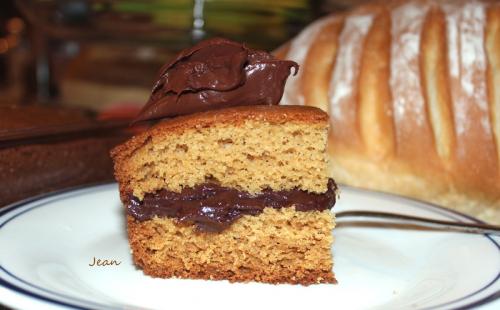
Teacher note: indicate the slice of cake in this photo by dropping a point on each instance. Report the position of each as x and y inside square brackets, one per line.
[228, 185]
[238, 193]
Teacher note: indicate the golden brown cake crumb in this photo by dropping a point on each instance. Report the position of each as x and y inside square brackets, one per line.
[277, 246]
[248, 148]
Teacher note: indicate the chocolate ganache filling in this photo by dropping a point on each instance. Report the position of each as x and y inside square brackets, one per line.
[213, 74]
[212, 208]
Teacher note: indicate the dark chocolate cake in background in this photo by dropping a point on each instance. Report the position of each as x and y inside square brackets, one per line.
[43, 149]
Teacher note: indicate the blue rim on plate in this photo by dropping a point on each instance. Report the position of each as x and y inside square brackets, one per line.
[71, 192]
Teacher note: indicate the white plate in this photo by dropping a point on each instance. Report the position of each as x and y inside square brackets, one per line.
[47, 244]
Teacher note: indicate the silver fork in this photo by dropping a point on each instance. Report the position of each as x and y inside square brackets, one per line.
[476, 228]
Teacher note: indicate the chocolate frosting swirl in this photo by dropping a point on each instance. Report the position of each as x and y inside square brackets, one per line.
[213, 74]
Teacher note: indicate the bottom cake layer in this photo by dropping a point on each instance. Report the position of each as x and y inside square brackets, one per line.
[276, 246]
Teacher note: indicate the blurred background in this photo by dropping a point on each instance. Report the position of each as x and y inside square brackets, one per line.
[74, 73]
[103, 55]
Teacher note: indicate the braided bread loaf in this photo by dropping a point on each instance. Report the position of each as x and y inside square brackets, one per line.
[413, 92]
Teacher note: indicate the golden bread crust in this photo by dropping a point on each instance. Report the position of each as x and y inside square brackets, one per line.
[416, 83]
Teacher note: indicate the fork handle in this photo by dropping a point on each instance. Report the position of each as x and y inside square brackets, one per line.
[476, 228]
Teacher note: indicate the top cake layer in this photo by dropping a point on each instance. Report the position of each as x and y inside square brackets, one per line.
[246, 148]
